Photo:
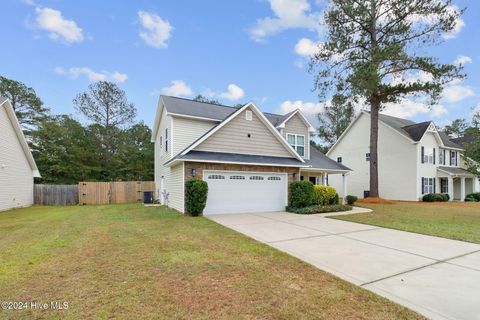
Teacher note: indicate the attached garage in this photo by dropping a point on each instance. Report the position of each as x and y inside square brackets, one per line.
[245, 191]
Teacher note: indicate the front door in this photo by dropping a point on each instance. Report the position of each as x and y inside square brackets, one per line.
[313, 180]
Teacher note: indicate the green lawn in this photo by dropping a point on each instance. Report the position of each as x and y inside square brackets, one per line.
[459, 221]
[132, 262]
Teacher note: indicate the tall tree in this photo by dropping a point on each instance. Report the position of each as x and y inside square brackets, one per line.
[374, 50]
[106, 105]
[335, 119]
[456, 128]
[28, 107]
[201, 98]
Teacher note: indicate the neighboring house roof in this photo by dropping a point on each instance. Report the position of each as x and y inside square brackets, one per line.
[223, 157]
[320, 161]
[456, 171]
[5, 103]
[199, 109]
[407, 128]
[461, 141]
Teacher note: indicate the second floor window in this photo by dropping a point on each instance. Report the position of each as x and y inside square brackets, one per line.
[367, 156]
[339, 159]
[428, 155]
[453, 158]
[441, 156]
[297, 142]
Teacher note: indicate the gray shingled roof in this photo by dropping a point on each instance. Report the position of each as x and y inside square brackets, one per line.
[461, 141]
[447, 141]
[210, 110]
[236, 157]
[457, 171]
[414, 130]
[321, 161]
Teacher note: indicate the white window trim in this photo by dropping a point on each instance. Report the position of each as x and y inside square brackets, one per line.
[296, 145]
[428, 155]
[428, 185]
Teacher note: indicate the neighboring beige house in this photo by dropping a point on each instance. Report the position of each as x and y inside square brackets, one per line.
[17, 167]
[413, 159]
[247, 157]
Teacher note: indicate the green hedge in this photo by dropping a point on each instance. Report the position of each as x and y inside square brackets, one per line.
[351, 199]
[301, 194]
[475, 197]
[319, 209]
[196, 192]
[436, 197]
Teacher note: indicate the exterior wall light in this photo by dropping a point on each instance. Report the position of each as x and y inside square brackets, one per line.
[194, 172]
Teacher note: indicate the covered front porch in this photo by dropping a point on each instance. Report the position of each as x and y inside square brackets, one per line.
[320, 177]
[456, 182]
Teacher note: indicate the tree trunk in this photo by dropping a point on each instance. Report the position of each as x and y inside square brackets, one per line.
[374, 110]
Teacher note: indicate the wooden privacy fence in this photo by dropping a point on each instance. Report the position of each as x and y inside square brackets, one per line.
[55, 195]
[113, 192]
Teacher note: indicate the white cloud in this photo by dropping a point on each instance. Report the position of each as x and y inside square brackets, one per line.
[58, 27]
[178, 89]
[456, 92]
[76, 72]
[407, 108]
[156, 31]
[306, 47]
[234, 92]
[462, 60]
[288, 14]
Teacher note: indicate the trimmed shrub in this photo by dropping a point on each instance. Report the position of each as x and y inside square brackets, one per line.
[474, 196]
[335, 200]
[470, 199]
[351, 199]
[324, 195]
[301, 194]
[196, 192]
[319, 209]
[435, 197]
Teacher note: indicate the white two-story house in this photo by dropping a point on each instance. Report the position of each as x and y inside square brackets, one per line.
[414, 159]
[247, 157]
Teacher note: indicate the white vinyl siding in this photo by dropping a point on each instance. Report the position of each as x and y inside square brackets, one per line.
[16, 177]
[245, 137]
[176, 187]
[295, 125]
[397, 162]
[161, 156]
[187, 131]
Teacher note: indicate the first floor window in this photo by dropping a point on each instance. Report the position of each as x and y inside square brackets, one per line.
[428, 185]
[297, 142]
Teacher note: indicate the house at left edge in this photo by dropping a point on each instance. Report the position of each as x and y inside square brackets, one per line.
[248, 157]
[17, 166]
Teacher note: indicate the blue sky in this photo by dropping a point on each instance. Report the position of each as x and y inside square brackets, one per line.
[249, 50]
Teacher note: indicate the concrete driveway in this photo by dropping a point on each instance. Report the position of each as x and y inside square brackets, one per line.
[436, 277]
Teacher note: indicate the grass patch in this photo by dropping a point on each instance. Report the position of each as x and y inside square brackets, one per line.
[458, 221]
[133, 262]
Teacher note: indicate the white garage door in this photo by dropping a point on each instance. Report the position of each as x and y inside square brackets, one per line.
[237, 192]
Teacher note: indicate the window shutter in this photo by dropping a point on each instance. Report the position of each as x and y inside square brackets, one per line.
[456, 158]
[450, 157]
[434, 185]
[423, 185]
[433, 155]
[423, 153]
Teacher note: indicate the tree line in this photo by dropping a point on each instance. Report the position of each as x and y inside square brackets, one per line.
[110, 146]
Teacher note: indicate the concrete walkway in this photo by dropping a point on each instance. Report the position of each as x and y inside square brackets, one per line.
[436, 277]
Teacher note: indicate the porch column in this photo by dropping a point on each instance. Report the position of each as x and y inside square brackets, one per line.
[344, 195]
[324, 178]
[450, 187]
[462, 188]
